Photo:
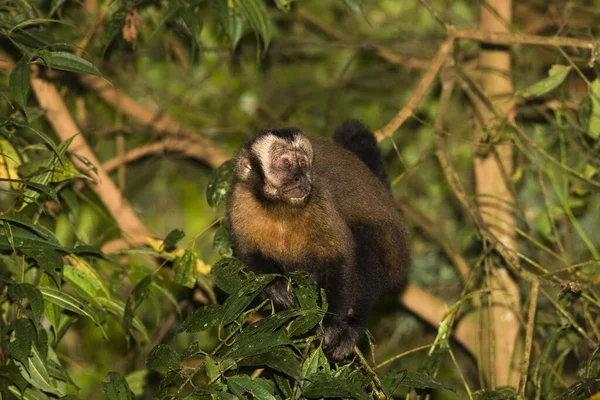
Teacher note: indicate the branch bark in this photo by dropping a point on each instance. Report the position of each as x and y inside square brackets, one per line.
[499, 343]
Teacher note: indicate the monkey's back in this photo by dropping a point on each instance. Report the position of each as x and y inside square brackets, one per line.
[366, 206]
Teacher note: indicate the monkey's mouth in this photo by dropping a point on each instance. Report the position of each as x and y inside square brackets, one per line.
[296, 191]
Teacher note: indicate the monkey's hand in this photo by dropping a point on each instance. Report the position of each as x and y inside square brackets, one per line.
[339, 339]
[280, 293]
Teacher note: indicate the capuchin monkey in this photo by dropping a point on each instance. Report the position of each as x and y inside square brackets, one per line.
[300, 204]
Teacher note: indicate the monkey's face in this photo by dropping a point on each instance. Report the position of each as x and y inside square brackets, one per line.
[279, 168]
[287, 174]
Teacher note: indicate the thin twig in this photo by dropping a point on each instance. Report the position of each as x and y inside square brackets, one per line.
[528, 337]
[517, 38]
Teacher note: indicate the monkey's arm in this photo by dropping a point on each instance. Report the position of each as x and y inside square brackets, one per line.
[345, 321]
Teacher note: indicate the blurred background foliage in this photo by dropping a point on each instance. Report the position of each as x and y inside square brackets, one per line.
[224, 69]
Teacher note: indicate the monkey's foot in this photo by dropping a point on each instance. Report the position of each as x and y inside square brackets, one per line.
[339, 341]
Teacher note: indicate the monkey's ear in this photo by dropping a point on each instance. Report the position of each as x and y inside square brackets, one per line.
[243, 165]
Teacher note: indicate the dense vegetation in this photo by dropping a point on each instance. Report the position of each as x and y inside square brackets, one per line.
[117, 121]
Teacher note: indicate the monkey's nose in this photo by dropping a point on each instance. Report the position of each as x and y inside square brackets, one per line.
[297, 178]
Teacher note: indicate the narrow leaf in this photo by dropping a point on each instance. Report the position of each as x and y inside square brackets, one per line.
[20, 82]
[243, 385]
[281, 359]
[185, 269]
[220, 182]
[68, 302]
[66, 62]
[237, 302]
[556, 76]
[26, 291]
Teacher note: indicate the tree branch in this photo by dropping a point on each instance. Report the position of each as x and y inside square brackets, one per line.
[421, 89]
[59, 117]
[187, 147]
[503, 38]
[160, 122]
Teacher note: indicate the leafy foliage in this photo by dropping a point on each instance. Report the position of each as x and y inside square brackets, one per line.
[183, 318]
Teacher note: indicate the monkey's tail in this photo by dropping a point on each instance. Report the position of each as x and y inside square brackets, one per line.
[356, 137]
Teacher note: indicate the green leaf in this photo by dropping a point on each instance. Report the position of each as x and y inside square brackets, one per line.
[56, 6]
[354, 5]
[66, 62]
[21, 221]
[237, 302]
[11, 374]
[72, 304]
[284, 385]
[193, 22]
[37, 374]
[91, 274]
[20, 82]
[316, 362]
[257, 15]
[284, 5]
[270, 324]
[79, 282]
[391, 381]
[33, 39]
[256, 345]
[138, 295]
[185, 269]
[230, 274]
[26, 291]
[557, 74]
[117, 388]
[163, 358]
[281, 359]
[137, 381]
[232, 22]
[220, 183]
[593, 128]
[117, 308]
[307, 293]
[205, 389]
[203, 318]
[49, 260]
[221, 242]
[419, 380]
[20, 347]
[212, 367]
[328, 386]
[31, 22]
[243, 385]
[170, 242]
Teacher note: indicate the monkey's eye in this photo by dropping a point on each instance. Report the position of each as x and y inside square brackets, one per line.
[302, 163]
[286, 164]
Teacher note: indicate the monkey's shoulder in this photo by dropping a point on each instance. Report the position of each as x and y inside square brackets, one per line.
[288, 237]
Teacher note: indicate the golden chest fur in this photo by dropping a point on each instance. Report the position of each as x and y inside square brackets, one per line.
[284, 236]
